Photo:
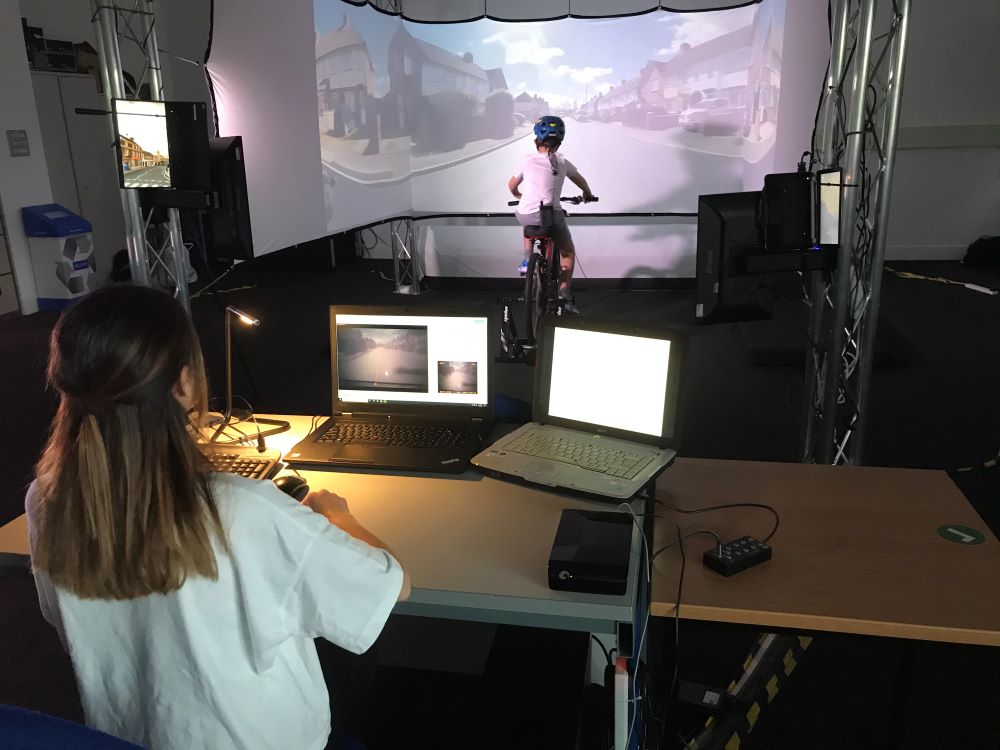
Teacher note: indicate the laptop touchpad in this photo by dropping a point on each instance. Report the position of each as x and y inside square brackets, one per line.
[540, 467]
[355, 453]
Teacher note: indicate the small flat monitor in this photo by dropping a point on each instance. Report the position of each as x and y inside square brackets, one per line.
[830, 183]
[162, 145]
[143, 149]
[729, 231]
[230, 220]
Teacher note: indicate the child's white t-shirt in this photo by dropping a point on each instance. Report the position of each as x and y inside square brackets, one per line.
[538, 184]
[229, 663]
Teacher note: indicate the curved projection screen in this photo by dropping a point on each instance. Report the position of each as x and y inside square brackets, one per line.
[350, 116]
[435, 118]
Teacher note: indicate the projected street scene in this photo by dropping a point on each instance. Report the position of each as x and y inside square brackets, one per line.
[659, 107]
[142, 144]
[458, 377]
[382, 358]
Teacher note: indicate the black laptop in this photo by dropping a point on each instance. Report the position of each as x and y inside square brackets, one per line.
[412, 389]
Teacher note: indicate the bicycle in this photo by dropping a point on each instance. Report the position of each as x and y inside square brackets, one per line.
[541, 281]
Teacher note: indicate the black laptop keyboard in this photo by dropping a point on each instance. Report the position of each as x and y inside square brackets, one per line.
[410, 436]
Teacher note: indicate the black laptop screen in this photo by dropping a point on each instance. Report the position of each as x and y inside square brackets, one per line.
[411, 359]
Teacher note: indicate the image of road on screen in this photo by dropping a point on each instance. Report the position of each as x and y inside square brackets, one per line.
[382, 358]
[458, 377]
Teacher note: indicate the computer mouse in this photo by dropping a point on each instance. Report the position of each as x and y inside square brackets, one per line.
[292, 486]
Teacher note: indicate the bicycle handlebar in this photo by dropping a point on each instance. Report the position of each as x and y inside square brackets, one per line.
[576, 200]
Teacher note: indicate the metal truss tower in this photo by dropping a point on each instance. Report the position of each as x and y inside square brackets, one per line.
[856, 130]
[156, 254]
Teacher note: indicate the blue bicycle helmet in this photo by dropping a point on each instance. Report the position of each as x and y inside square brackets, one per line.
[550, 126]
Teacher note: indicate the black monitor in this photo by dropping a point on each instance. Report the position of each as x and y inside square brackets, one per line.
[230, 221]
[729, 232]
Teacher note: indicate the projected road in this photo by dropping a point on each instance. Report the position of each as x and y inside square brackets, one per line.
[148, 177]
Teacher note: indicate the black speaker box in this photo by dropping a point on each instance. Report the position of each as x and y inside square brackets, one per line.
[788, 212]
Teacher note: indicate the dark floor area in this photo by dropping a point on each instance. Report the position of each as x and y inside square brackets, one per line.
[935, 404]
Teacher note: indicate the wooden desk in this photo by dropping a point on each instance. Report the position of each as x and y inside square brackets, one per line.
[857, 552]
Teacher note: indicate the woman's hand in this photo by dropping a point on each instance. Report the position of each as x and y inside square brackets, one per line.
[325, 503]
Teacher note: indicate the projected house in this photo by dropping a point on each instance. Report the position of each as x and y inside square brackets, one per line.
[612, 105]
[498, 81]
[714, 69]
[433, 93]
[344, 74]
[418, 68]
[532, 107]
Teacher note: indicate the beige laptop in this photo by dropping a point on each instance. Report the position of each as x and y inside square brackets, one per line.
[605, 412]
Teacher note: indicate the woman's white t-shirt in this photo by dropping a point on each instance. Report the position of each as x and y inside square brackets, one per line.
[538, 184]
[229, 663]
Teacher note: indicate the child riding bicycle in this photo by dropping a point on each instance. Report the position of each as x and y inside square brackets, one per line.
[539, 182]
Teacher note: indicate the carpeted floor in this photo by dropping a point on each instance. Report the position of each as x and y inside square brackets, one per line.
[934, 404]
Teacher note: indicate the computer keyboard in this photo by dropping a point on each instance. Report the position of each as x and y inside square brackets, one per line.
[410, 436]
[243, 461]
[604, 459]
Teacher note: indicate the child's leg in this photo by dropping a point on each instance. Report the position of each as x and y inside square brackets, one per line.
[567, 256]
[567, 261]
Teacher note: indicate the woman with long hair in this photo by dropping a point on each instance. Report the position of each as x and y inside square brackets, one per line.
[187, 600]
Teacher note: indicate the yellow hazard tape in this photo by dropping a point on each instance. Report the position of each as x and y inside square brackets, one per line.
[772, 687]
[789, 662]
[734, 742]
[752, 714]
[804, 641]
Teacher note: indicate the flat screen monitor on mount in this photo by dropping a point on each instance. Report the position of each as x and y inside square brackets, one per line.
[162, 145]
[230, 221]
[729, 231]
[828, 210]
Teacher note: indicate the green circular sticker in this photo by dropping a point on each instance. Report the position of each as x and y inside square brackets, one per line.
[961, 534]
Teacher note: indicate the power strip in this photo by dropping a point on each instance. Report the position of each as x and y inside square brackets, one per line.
[733, 557]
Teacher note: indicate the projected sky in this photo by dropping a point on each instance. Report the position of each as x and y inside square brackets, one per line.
[436, 117]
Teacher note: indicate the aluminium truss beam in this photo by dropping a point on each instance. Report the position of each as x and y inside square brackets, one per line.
[154, 257]
[859, 125]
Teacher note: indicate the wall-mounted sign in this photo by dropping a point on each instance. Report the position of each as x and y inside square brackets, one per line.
[17, 143]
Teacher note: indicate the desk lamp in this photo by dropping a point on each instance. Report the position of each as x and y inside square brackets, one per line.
[276, 425]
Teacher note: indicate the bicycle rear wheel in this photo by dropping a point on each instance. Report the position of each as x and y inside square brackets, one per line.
[535, 294]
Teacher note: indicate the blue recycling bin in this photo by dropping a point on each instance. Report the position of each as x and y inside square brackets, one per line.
[62, 253]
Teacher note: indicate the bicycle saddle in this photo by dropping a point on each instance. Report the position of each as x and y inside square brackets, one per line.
[534, 231]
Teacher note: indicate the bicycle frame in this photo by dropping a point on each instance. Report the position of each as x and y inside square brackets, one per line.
[541, 282]
[541, 285]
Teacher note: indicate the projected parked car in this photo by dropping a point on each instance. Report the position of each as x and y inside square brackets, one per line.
[712, 117]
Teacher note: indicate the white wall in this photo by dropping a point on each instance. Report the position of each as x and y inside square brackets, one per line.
[24, 180]
[946, 187]
[181, 29]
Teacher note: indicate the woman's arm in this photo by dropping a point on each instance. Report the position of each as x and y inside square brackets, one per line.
[334, 508]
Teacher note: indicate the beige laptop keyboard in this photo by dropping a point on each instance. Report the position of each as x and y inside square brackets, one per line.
[605, 459]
